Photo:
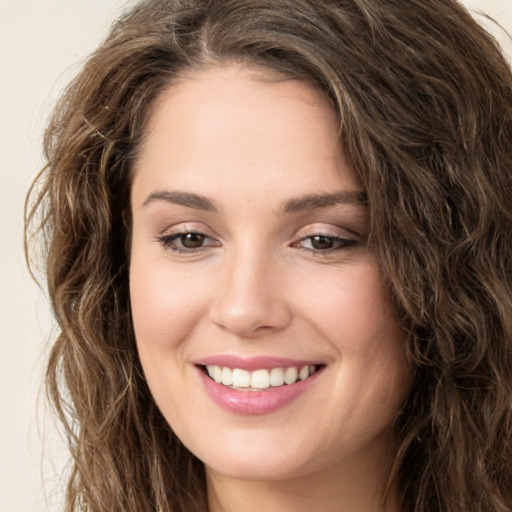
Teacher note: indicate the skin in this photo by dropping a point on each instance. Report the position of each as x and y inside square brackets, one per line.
[258, 284]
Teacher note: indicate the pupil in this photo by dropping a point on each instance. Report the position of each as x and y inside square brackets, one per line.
[321, 242]
[192, 240]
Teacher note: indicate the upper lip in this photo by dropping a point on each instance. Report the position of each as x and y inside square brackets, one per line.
[253, 363]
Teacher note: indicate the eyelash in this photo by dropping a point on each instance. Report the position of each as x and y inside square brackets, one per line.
[167, 241]
[339, 243]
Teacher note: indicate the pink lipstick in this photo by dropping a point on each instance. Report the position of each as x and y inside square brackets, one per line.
[256, 385]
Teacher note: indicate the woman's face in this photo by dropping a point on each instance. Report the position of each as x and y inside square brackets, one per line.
[249, 262]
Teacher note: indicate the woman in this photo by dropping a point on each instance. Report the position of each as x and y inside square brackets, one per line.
[278, 249]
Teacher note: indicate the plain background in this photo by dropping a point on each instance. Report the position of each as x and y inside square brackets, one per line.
[42, 45]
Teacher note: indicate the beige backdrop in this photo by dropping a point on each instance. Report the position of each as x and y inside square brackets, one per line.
[41, 46]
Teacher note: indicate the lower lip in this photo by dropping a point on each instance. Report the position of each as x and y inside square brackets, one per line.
[256, 402]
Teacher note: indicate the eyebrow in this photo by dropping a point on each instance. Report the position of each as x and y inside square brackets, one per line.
[191, 200]
[315, 201]
[307, 202]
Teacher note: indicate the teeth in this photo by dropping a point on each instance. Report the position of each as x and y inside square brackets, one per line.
[276, 377]
[241, 378]
[227, 376]
[304, 373]
[260, 379]
[217, 374]
[290, 375]
[237, 378]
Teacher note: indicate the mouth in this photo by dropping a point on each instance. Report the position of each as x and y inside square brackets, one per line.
[262, 379]
[258, 384]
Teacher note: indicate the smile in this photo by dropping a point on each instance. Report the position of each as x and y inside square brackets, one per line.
[256, 385]
[259, 379]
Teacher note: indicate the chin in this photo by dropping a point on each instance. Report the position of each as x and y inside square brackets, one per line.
[240, 468]
[255, 459]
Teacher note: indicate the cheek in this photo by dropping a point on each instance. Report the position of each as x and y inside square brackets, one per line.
[350, 306]
[166, 307]
[373, 343]
[353, 313]
[165, 303]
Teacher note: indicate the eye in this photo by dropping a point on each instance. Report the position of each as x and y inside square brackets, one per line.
[187, 241]
[191, 240]
[325, 243]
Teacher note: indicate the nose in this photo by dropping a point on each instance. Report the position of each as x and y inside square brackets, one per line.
[251, 298]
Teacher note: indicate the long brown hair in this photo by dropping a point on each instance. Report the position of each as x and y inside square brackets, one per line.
[424, 99]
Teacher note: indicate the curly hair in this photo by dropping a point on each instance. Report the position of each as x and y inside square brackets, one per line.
[424, 99]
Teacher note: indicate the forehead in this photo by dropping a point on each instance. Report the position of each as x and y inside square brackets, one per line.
[233, 96]
[244, 129]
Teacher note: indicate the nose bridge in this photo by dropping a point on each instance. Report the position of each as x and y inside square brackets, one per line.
[250, 300]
